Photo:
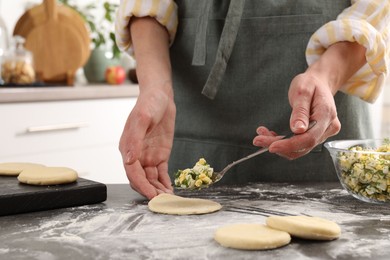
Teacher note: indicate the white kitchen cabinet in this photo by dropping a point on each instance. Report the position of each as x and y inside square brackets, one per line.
[82, 135]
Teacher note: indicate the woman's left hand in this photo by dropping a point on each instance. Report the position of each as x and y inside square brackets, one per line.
[311, 100]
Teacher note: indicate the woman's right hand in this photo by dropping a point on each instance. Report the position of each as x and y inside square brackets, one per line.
[146, 143]
[147, 137]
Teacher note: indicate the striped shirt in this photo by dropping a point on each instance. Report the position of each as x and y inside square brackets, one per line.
[366, 22]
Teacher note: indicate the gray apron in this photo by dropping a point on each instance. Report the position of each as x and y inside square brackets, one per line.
[233, 62]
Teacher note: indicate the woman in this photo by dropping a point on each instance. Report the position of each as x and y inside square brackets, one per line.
[235, 65]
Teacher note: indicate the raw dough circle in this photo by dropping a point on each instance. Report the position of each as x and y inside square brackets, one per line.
[305, 227]
[251, 237]
[175, 205]
[15, 168]
[47, 176]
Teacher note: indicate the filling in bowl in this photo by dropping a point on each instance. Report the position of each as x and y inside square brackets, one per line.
[365, 172]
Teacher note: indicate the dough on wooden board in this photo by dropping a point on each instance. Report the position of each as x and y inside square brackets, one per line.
[305, 227]
[251, 237]
[47, 176]
[15, 168]
[175, 205]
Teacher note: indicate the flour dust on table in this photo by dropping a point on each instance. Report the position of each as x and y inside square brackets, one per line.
[123, 227]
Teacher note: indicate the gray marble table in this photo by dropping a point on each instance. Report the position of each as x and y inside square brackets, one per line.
[124, 228]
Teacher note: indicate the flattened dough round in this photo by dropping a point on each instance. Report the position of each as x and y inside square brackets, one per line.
[175, 205]
[251, 237]
[305, 227]
[47, 176]
[15, 168]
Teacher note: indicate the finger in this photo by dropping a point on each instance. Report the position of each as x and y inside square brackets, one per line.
[301, 144]
[152, 175]
[297, 154]
[264, 131]
[160, 191]
[333, 129]
[294, 154]
[297, 145]
[299, 119]
[301, 107]
[138, 180]
[164, 176]
[133, 135]
[265, 140]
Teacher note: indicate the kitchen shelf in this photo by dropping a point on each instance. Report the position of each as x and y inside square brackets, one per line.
[62, 93]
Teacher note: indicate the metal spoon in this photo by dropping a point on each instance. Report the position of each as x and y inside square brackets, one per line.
[217, 176]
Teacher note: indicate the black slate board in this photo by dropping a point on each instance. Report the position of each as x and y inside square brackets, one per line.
[18, 198]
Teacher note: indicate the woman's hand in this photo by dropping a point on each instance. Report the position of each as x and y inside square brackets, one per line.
[311, 98]
[146, 143]
[147, 137]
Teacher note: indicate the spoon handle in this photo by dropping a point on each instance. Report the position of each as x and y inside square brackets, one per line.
[263, 150]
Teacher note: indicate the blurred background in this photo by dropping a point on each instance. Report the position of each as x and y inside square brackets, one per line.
[95, 12]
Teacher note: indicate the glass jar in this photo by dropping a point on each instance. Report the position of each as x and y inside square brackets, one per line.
[17, 64]
[3, 43]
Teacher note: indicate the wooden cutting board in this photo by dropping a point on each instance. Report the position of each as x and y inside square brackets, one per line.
[18, 198]
[58, 38]
[36, 16]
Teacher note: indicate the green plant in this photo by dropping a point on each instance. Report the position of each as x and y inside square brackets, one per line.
[99, 16]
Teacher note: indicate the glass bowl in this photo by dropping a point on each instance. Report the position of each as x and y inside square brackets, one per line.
[362, 167]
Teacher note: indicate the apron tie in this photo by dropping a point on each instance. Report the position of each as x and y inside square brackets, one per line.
[225, 46]
[199, 56]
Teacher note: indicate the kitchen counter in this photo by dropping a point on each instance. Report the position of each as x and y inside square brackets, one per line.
[124, 228]
[61, 93]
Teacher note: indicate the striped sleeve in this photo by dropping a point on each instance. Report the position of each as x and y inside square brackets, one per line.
[164, 11]
[366, 22]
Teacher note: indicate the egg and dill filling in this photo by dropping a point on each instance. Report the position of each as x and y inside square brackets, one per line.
[196, 177]
[367, 174]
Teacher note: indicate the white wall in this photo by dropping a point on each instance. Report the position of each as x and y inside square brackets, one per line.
[386, 111]
[12, 10]
[386, 93]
